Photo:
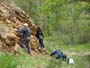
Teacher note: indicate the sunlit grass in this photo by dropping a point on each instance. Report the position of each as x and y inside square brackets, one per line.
[27, 61]
[45, 61]
[53, 45]
[7, 61]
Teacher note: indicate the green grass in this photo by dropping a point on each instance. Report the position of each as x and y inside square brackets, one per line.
[82, 61]
[53, 45]
[45, 61]
[26, 61]
[23, 60]
[7, 61]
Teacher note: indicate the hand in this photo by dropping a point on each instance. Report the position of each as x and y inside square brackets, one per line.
[15, 29]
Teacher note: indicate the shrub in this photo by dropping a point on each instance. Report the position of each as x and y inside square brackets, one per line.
[7, 61]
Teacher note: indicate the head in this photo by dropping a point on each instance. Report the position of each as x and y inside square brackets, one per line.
[64, 57]
[25, 25]
[38, 28]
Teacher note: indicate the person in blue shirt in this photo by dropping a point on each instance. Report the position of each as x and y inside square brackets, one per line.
[59, 54]
[25, 42]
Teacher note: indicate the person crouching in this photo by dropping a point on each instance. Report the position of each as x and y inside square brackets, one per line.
[59, 54]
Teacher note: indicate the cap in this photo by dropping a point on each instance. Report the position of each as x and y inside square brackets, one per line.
[25, 24]
[70, 61]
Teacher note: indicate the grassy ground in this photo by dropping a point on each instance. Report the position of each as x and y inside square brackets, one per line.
[27, 61]
[77, 52]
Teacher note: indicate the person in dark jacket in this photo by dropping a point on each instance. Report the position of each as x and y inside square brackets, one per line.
[40, 37]
[25, 42]
[59, 54]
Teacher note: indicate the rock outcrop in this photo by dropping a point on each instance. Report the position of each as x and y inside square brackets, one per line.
[14, 18]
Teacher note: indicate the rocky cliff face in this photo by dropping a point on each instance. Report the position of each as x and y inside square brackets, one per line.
[14, 17]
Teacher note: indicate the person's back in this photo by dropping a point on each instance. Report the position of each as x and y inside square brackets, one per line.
[26, 32]
[59, 54]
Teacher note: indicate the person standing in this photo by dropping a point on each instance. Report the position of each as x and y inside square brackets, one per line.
[40, 37]
[25, 41]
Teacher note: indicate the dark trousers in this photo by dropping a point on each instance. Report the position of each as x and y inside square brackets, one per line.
[25, 43]
[41, 43]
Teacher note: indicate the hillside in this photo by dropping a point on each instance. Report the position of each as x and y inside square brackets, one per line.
[65, 24]
[13, 17]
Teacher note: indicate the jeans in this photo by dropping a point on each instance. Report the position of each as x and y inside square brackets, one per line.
[25, 43]
[41, 43]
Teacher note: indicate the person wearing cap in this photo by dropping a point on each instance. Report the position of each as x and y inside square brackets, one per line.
[59, 54]
[26, 37]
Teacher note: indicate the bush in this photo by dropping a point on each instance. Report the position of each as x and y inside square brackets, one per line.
[7, 61]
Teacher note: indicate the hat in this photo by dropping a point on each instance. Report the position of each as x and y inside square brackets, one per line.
[25, 24]
[70, 61]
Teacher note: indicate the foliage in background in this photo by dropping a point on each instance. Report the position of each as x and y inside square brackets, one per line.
[64, 22]
[67, 19]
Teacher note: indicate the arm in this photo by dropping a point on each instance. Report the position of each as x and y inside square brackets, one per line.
[20, 30]
[53, 53]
